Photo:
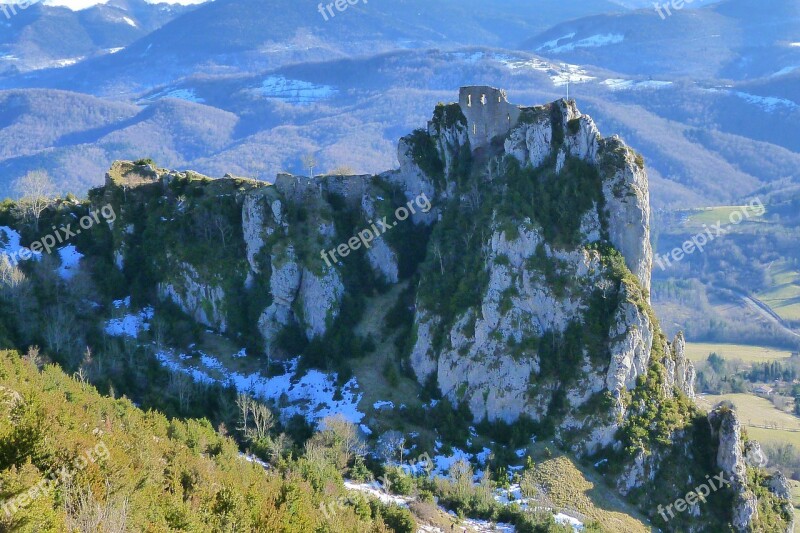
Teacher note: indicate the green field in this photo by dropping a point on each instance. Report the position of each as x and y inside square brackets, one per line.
[784, 294]
[711, 215]
[699, 351]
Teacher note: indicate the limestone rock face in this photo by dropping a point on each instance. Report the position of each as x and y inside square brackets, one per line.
[729, 454]
[519, 304]
[450, 135]
[413, 181]
[284, 286]
[731, 461]
[627, 197]
[632, 334]
[380, 255]
[531, 143]
[320, 297]
[684, 370]
[196, 297]
[625, 183]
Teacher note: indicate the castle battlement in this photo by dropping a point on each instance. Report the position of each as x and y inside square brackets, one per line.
[488, 113]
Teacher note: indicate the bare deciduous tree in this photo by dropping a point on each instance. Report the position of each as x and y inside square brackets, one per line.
[345, 439]
[258, 413]
[392, 445]
[310, 163]
[243, 402]
[85, 512]
[35, 191]
[33, 357]
[224, 227]
[262, 420]
[181, 386]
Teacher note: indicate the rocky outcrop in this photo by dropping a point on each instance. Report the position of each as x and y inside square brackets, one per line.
[627, 199]
[520, 302]
[519, 305]
[253, 224]
[684, 369]
[733, 459]
[413, 181]
[380, 255]
[531, 143]
[196, 297]
[320, 296]
[625, 184]
[284, 286]
[631, 343]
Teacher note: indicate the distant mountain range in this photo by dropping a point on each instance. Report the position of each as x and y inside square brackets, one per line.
[41, 36]
[229, 86]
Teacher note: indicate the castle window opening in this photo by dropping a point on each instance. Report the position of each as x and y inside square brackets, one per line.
[483, 99]
[474, 129]
[469, 100]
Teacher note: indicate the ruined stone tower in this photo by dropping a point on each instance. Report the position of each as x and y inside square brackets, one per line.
[488, 113]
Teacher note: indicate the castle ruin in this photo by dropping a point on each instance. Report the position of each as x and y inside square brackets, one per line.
[488, 113]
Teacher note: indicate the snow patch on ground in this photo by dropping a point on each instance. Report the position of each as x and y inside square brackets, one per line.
[559, 74]
[131, 324]
[296, 92]
[376, 490]
[617, 84]
[768, 103]
[310, 395]
[594, 41]
[188, 95]
[10, 246]
[484, 526]
[549, 45]
[61, 63]
[129, 22]
[70, 259]
[567, 520]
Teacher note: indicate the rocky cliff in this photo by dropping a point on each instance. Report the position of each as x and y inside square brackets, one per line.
[527, 262]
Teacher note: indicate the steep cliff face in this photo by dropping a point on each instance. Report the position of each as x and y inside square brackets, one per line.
[541, 289]
[528, 269]
[552, 322]
[250, 258]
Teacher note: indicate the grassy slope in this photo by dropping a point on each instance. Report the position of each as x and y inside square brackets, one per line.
[572, 486]
[167, 474]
